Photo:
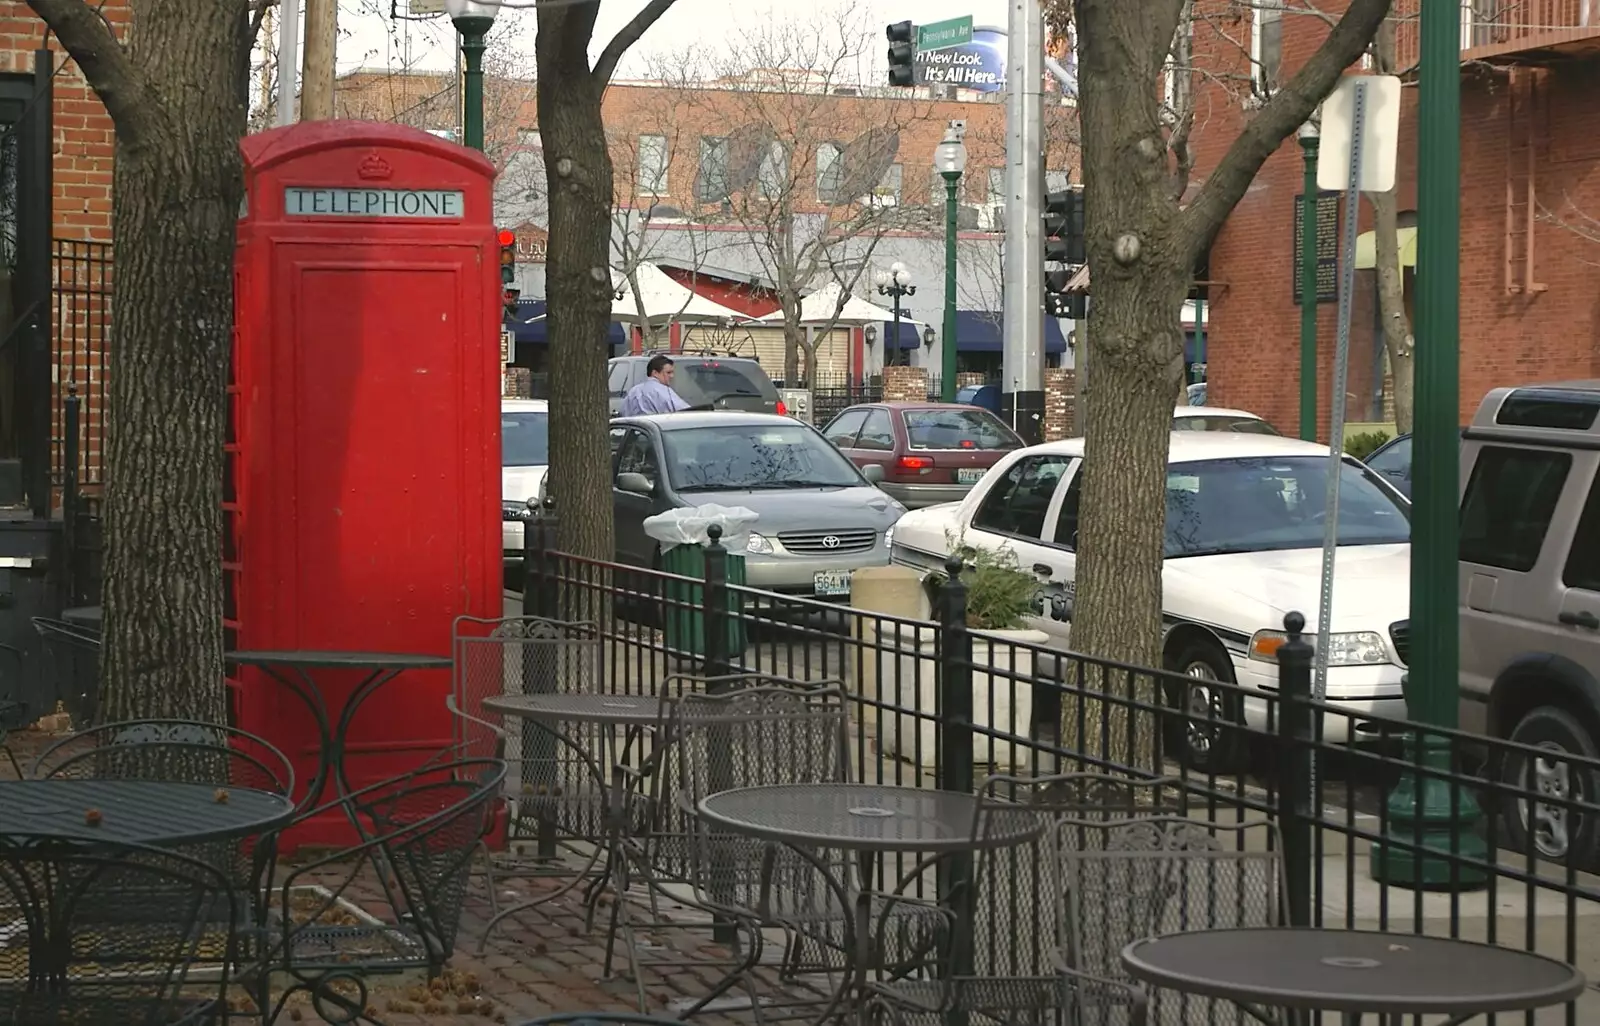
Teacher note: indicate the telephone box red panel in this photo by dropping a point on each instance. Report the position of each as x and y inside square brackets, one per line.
[364, 447]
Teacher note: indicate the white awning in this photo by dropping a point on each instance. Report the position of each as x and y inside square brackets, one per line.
[666, 300]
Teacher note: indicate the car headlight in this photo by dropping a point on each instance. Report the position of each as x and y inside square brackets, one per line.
[888, 538]
[759, 545]
[1355, 648]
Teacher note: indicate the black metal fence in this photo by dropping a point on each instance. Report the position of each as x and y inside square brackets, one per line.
[1498, 854]
[81, 345]
[828, 399]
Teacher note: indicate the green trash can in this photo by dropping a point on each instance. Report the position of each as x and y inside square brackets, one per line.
[686, 602]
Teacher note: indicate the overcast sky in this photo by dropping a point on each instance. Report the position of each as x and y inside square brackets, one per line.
[373, 38]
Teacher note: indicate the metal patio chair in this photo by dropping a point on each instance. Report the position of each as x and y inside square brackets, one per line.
[419, 832]
[1006, 969]
[112, 934]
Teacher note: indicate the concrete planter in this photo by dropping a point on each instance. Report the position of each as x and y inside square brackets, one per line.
[908, 678]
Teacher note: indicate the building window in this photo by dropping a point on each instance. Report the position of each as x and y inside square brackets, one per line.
[830, 173]
[773, 174]
[653, 164]
[1266, 47]
[712, 185]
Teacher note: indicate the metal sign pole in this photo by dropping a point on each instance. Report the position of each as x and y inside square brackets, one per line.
[288, 61]
[1341, 375]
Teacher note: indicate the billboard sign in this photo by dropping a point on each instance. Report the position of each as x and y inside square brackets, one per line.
[977, 63]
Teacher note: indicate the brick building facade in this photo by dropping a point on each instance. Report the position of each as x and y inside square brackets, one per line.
[78, 248]
[1530, 222]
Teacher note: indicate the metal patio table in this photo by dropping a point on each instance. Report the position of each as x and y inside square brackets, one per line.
[870, 820]
[632, 714]
[1357, 972]
[152, 813]
[296, 670]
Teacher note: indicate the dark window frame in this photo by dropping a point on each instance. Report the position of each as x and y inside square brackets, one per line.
[1491, 548]
[1587, 528]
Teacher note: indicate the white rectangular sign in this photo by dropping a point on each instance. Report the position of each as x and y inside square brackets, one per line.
[1380, 133]
[438, 203]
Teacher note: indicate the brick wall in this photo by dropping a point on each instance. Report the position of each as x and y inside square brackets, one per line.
[1060, 400]
[1505, 338]
[82, 171]
[905, 384]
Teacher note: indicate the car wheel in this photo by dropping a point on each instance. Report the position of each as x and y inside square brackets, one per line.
[1554, 832]
[1203, 734]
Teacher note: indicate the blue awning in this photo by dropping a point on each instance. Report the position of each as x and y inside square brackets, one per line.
[910, 335]
[529, 325]
[978, 331]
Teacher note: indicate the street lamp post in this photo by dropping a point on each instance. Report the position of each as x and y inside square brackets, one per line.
[473, 19]
[950, 157]
[1425, 810]
[896, 283]
[1310, 140]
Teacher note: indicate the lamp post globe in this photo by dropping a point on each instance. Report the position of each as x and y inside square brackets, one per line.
[472, 19]
[950, 158]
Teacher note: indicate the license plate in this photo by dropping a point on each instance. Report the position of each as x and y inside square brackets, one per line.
[969, 475]
[831, 583]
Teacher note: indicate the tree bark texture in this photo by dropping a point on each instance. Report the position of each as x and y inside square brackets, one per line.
[1398, 341]
[581, 187]
[175, 200]
[1142, 248]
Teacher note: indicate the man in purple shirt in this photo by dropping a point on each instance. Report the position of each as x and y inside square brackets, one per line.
[654, 394]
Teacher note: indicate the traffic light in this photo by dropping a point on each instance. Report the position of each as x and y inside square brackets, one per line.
[508, 301]
[1063, 227]
[508, 256]
[902, 53]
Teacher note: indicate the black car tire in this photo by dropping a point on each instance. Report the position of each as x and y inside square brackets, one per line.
[1567, 836]
[1213, 744]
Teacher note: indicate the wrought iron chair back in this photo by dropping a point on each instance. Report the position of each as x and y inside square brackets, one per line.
[1166, 874]
[419, 833]
[112, 934]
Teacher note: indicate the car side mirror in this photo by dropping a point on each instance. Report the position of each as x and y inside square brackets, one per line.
[638, 484]
[873, 473]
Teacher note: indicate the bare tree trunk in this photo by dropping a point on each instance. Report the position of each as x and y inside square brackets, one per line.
[791, 357]
[578, 284]
[1398, 341]
[174, 92]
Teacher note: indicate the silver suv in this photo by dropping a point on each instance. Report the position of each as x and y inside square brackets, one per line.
[1530, 599]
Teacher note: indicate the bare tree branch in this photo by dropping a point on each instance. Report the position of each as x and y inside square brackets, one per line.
[627, 36]
[1278, 119]
[120, 84]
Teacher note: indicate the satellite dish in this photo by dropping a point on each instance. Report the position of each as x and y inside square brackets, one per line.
[748, 149]
[865, 160]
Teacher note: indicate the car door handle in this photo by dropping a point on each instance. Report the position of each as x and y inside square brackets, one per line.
[1581, 618]
[1042, 569]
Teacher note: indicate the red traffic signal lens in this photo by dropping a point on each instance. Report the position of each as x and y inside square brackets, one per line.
[507, 237]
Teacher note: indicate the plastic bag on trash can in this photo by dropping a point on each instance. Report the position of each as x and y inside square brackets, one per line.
[689, 526]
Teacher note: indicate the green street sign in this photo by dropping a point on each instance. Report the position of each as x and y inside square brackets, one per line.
[942, 34]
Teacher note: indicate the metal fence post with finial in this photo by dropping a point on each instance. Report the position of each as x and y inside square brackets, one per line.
[715, 610]
[1295, 799]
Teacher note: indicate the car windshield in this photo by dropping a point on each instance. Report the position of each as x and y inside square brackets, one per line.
[1260, 504]
[749, 456]
[524, 439]
[1238, 425]
[707, 381]
[957, 429]
[1395, 457]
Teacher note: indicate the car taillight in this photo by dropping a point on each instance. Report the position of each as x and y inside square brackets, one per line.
[783, 409]
[915, 463]
[967, 443]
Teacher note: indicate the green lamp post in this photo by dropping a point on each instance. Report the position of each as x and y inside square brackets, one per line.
[473, 19]
[1310, 141]
[950, 158]
[1425, 810]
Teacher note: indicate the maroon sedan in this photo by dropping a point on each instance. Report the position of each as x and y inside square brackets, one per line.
[929, 452]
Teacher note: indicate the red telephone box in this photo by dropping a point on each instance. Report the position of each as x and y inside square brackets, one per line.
[364, 434]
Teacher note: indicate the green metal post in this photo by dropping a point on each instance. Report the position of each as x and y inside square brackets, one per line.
[473, 30]
[947, 343]
[1425, 808]
[1309, 142]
